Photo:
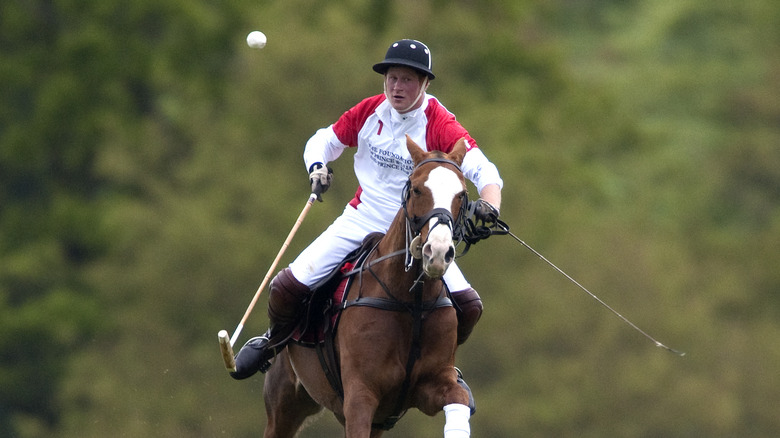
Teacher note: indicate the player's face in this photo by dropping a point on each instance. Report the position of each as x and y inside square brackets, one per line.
[402, 86]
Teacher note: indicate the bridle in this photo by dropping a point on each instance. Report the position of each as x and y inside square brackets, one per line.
[415, 224]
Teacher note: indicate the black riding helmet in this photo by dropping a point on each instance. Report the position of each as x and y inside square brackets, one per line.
[408, 53]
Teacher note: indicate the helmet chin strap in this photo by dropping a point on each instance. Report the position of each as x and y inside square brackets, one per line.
[423, 88]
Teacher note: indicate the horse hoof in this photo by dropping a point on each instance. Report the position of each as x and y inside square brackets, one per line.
[464, 385]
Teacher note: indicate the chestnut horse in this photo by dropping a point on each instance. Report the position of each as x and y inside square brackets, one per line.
[400, 354]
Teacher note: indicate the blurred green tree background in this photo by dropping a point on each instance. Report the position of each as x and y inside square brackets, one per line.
[150, 166]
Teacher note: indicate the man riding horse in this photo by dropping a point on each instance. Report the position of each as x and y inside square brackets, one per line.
[377, 127]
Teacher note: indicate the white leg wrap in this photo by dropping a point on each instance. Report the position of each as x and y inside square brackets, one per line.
[457, 417]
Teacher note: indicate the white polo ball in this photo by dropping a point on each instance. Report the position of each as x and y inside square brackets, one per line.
[256, 39]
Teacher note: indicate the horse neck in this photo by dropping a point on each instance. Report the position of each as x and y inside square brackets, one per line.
[393, 272]
[395, 239]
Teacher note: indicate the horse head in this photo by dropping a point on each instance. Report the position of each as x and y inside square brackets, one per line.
[434, 199]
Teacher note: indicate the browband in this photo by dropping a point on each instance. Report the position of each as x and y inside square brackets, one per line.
[438, 160]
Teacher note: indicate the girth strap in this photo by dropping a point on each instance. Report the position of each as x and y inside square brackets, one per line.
[395, 305]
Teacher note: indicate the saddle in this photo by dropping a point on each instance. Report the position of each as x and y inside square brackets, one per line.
[328, 295]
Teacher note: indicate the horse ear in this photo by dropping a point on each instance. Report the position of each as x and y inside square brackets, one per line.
[417, 153]
[458, 151]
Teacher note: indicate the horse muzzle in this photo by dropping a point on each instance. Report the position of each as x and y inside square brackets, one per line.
[437, 253]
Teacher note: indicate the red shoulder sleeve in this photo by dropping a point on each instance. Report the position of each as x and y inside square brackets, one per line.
[443, 130]
[349, 124]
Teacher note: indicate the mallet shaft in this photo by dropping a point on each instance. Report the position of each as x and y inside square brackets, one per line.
[226, 344]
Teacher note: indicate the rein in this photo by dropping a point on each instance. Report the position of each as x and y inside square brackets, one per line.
[391, 303]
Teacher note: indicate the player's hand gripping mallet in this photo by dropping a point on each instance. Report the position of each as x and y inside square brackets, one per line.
[225, 343]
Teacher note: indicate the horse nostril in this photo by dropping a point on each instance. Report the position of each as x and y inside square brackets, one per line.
[450, 255]
[427, 251]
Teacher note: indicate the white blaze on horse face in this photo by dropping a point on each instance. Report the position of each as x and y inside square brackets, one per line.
[444, 184]
[439, 251]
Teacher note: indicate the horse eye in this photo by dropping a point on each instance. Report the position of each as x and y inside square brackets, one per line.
[416, 191]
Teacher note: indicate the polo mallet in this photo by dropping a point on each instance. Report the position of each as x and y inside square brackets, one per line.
[225, 343]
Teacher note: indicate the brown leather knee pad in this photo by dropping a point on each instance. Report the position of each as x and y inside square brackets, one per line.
[468, 307]
[286, 299]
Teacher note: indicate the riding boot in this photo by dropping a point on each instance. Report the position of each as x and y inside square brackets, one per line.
[286, 305]
[468, 307]
[254, 356]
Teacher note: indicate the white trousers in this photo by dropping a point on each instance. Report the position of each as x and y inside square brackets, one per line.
[343, 236]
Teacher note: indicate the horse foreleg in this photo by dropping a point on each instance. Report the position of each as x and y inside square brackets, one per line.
[359, 407]
[287, 404]
[444, 393]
